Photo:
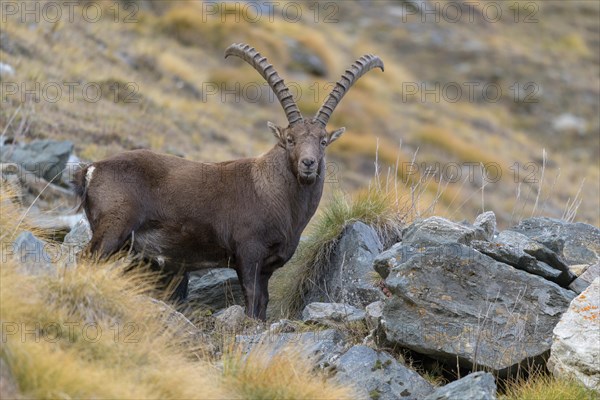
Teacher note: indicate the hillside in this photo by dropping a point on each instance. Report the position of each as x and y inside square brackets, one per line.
[510, 88]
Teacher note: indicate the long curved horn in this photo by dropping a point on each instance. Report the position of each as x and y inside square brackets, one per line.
[266, 70]
[356, 70]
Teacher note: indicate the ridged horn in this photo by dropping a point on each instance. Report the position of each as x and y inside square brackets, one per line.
[356, 70]
[266, 70]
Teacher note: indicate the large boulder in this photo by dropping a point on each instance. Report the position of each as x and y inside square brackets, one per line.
[453, 303]
[377, 375]
[44, 158]
[575, 350]
[331, 313]
[521, 252]
[475, 386]
[576, 243]
[34, 256]
[215, 289]
[348, 277]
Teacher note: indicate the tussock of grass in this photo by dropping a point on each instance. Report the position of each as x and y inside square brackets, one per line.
[543, 386]
[375, 207]
[285, 375]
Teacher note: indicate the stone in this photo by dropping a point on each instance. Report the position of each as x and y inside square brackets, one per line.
[378, 375]
[34, 255]
[215, 289]
[585, 279]
[575, 349]
[348, 277]
[436, 230]
[6, 71]
[569, 123]
[181, 326]
[306, 60]
[45, 158]
[373, 313]
[76, 240]
[523, 253]
[576, 243]
[331, 313]
[486, 222]
[322, 348]
[453, 303]
[394, 256]
[231, 318]
[476, 386]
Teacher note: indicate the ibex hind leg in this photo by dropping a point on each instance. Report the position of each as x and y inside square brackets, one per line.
[110, 236]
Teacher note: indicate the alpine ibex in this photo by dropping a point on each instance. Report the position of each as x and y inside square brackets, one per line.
[247, 214]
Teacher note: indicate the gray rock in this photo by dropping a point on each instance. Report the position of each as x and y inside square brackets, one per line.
[569, 123]
[523, 253]
[35, 256]
[331, 313]
[436, 230]
[378, 375]
[475, 386]
[487, 222]
[348, 277]
[76, 240]
[454, 303]
[394, 256]
[575, 350]
[45, 158]
[321, 347]
[180, 325]
[215, 289]
[231, 318]
[305, 60]
[373, 312]
[586, 279]
[576, 243]
[6, 71]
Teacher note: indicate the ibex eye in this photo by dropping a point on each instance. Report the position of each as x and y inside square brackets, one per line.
[324, 142]
[290, 140]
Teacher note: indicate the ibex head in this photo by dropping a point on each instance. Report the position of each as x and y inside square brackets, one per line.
[304, 140]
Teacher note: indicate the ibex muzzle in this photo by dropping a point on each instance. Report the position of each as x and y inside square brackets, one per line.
[247, 214]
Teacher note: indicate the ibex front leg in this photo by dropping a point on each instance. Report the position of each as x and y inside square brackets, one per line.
[250, 260]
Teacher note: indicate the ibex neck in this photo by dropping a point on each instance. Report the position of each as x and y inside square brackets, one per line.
[275, 179]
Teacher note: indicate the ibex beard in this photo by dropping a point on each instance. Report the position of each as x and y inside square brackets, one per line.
[247, 214]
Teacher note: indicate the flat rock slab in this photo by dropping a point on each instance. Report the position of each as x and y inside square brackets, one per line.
[215, 289]
[378, 375]
[453, 302]
[585, 279]
[331, 313]
[521, 252]
[322, 347]
[576, 243]
[475, 386]
[576, 343]
[436, 230]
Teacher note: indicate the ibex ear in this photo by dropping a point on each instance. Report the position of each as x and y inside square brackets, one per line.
[333, 136]
[277, 131]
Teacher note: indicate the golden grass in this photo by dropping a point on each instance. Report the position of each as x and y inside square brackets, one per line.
[285, 375]
[543, 386]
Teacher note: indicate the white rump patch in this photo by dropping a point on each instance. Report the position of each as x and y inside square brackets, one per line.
[88, 175]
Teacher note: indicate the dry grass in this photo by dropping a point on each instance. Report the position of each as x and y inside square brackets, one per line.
[285, 375]
[542, 386]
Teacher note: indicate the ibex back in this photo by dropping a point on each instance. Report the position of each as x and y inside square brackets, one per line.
[246, 214]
